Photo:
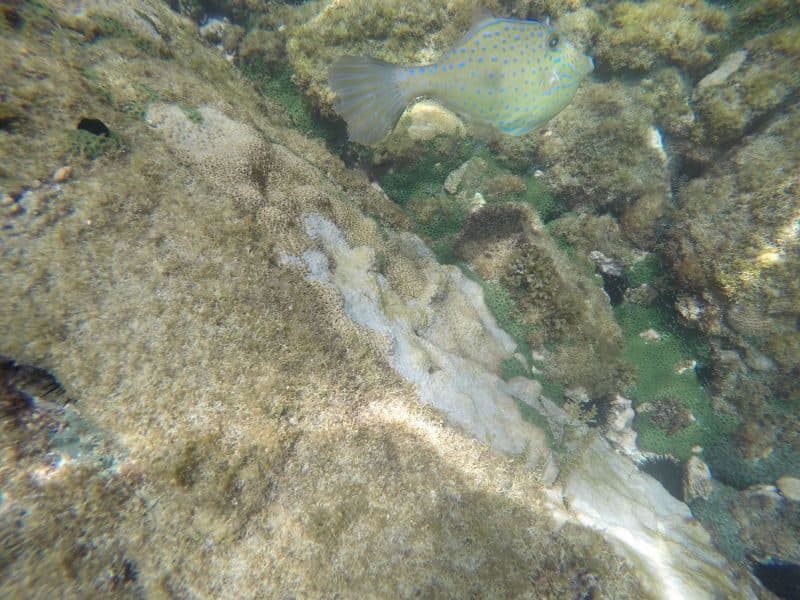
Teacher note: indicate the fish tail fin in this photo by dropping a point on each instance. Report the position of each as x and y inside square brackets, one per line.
[371, 96]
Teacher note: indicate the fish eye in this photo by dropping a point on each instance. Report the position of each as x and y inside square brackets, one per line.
[552, 40]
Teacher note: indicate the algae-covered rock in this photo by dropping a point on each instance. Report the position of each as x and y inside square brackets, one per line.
[735, 238]
[642, 35]
[558, 304]
[734, 248]
[606, 153]
[244, 329]
[766, 79]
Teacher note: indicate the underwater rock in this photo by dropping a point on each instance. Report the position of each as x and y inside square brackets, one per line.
[789, 488]
[62, 174]
[599, 155]
[728, 67]
[763, 81]
[619, 425]
[615, 282]
[734, 250]
[657, 531]
[641, 35]
[427, 119]
[697, 480]
[640, 518]
[213, 29]
[448, 353]
[454, 178]
[262, 426]
[768, 524]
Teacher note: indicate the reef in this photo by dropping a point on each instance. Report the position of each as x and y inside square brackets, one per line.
[243, 357]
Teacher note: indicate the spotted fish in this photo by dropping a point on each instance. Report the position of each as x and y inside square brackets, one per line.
[509, 74]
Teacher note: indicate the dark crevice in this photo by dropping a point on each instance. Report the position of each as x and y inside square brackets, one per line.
[667, 472]
[94, 126]
[7, 122]
[779, 577]
[12, 16]
[23, 387]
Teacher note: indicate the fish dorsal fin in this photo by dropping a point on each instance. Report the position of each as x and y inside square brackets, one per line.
[480, 16]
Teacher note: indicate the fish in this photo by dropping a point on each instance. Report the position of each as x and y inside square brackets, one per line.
[511, 75]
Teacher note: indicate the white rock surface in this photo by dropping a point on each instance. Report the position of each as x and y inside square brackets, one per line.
[728, 67]
[789, 488]
[443, 349]
[620, 427]
[444, 353]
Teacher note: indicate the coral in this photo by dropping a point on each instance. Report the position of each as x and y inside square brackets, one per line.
[643, 35]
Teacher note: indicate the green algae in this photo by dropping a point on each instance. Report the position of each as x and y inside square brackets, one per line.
[91, 146]
[533, 416]
[666, 374]
[193, 114]
[645, 271]
[513, 367]
[425, 173]
[280, 87]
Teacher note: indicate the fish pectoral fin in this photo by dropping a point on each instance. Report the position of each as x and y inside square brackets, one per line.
[480, 130]
[485, 132]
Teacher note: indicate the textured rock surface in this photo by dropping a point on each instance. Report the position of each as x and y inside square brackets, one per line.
[245, 340]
